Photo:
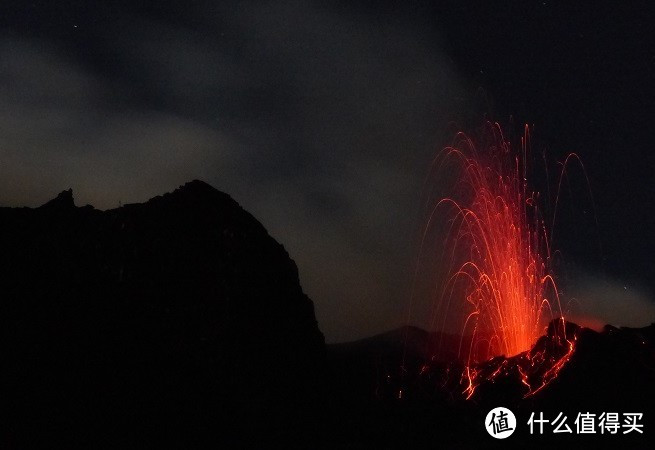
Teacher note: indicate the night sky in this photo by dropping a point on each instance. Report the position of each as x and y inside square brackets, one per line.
[321, 119]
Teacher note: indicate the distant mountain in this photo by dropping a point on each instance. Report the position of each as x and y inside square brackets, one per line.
[174, 322]
[375, 368]
[407, 340]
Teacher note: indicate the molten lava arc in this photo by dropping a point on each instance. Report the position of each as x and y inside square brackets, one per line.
[498, 281]
[496, 249]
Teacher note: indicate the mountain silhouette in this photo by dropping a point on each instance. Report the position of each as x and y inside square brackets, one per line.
[171, 322]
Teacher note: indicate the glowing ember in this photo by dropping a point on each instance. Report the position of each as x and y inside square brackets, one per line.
[499, 279]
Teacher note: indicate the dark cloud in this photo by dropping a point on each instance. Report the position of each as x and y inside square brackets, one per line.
[320, 120]
[62, 127]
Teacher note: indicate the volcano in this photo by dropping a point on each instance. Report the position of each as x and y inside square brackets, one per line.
[180, 323]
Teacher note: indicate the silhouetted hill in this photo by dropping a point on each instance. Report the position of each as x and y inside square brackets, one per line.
[178, 322]
[408, 340]
[366, 366]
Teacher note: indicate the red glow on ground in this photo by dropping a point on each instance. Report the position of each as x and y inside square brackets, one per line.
[535, 368]
[587, 322]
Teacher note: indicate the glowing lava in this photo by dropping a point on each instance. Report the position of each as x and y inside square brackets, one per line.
[535, 368]
[499, 280]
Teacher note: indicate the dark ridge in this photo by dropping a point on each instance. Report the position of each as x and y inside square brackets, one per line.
[155, 325]
[63, 201]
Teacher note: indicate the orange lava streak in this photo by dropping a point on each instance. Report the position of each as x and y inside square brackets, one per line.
[497, 247]
[535, 369]
[551, 373]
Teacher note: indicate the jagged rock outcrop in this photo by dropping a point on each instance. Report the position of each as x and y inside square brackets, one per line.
[176, 321]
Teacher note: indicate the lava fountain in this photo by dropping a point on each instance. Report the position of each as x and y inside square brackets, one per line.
[498, 267]
[496, 250]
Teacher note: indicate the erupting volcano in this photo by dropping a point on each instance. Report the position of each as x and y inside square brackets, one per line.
[497, 279]
[497, 247]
